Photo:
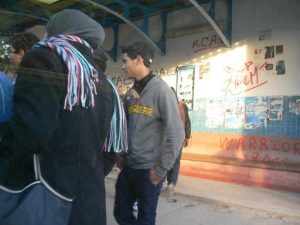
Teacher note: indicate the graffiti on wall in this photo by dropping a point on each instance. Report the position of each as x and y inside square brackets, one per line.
[262, 148]
[207, 42]
[244, 80]
[122, 82]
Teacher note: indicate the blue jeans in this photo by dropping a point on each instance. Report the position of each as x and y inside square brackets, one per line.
[132, 185]
[172, 175]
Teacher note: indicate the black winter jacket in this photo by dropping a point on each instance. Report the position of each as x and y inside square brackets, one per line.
[69, 142]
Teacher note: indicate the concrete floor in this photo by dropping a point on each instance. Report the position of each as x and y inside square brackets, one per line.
[194, 209]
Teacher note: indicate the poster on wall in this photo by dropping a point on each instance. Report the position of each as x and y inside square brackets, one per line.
[204, 69]
[294, 105]
[214, 113]
[185, 85]
[265, 35]
[256, 112]
[234, 113]
[273, 57]
[275, 106]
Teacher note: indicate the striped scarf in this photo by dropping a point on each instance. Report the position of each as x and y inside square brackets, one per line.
[81, 74]
[81, 88]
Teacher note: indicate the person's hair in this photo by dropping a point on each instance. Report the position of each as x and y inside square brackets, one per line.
[132, 55]
[101, 64]
[100, 58]
[175, 93]
[23, 41]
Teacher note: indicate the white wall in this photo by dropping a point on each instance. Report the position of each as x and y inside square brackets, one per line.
[250, 18]
[282, 18]
[279, 18]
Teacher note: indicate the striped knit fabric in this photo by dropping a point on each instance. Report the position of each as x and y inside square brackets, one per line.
[81, 89]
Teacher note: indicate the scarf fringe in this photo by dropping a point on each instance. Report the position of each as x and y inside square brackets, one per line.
[81, 90]
[81, 74]
[116, 140]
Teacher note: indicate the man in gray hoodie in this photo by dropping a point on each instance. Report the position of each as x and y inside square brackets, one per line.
[155, 133]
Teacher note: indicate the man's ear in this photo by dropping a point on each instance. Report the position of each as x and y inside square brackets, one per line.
[22, 53]
[140, 59]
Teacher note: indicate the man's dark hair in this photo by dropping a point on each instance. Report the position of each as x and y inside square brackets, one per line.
[23, 41]
[133, 55]
[139, 48]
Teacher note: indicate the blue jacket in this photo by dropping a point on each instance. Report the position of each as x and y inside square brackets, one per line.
[6, 98]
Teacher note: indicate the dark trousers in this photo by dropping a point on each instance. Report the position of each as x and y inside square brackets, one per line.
[135, 185]
[108, 162]
[172, 175]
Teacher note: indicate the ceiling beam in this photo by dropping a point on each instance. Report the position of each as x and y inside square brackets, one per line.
[212, 22]
[128, 22]
[24, 14]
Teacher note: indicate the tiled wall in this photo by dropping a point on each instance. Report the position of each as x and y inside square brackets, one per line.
[287, 126]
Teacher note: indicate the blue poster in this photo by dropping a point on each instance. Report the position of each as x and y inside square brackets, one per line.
[256, 112]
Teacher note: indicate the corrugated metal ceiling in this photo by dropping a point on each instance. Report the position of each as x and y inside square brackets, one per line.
[17, 15]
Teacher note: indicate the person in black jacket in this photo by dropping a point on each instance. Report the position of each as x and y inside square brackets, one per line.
[172, 175]
[63, 110]
[108, 157]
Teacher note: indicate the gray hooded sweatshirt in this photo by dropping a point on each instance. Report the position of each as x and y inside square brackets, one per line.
[155, 131]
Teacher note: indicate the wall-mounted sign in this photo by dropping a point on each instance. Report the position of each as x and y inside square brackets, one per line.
[185, 85]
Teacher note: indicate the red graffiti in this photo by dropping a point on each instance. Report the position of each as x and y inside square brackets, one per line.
[207, 42]
[265, 149]
[269, 158]
[246, 79]
[122, 81]
[297, 149]
[259, 144]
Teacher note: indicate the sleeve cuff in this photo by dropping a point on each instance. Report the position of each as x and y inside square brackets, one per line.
[160, 171]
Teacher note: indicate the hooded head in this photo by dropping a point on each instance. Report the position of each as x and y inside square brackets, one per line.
[74, 22]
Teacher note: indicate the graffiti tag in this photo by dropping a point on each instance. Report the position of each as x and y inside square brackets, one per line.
[207, 42]
[246, 79]
[262, 148]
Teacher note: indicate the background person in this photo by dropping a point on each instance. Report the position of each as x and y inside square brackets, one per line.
[69, 129]
[108, 156]
[20, 44]
[6, 101]
[154, 135]
[172, 175]
[6, 104]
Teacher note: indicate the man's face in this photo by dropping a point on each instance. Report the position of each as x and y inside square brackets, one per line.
[129, 66]
[15, 57]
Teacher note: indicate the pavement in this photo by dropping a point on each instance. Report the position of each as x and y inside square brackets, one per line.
[262, 199]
